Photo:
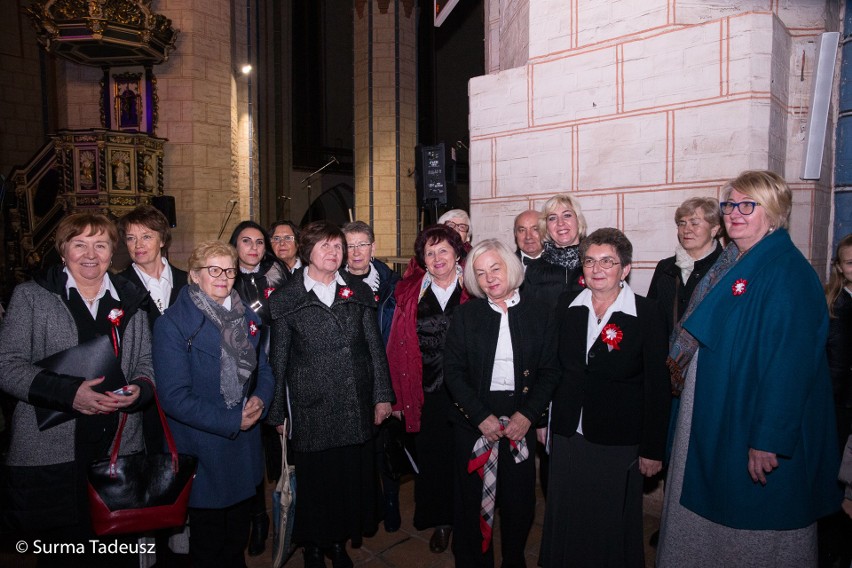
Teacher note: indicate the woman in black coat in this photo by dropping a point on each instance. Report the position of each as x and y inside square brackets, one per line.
[332, 380]
[699, 226]
[609, 416]
[501, 369]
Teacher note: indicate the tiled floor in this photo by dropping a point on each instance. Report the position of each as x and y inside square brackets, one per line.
[409, 548]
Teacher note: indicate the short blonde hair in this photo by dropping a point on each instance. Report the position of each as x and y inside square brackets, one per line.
[767, 188]
[708, 206]
[514, 267]
[457, 214]
[206, 250]
[554, 203]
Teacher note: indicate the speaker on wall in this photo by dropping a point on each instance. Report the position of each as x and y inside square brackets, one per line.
[166, 206]
[823, 81]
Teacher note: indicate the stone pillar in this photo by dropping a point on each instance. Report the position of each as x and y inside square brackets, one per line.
[386, 122]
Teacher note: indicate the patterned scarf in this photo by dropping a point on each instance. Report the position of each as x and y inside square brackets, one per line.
[566, 257]
[683, 345]
[238, 358]
[483, 460]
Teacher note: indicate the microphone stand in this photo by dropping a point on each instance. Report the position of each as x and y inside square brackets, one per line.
[308, 178]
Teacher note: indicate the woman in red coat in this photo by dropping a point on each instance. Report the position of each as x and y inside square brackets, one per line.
[425, 304]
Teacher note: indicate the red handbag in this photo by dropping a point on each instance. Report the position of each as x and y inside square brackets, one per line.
[140, 492]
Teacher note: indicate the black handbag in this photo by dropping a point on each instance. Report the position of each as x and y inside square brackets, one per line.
[140, 492]
[398, 460]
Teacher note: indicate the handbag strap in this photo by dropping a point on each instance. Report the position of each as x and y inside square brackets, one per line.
[170, 441]
[284, 466]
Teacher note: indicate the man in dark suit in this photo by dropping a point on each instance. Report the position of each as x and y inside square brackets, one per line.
[527, 236]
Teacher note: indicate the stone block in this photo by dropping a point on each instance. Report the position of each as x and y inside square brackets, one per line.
[534, 162]
[622, 17]
[498, 103]
[578, 87]
[627, 152]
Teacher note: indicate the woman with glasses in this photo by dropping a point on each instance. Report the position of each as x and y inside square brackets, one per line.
[285, 244]
[699, 226]
[755, 459]
[459, 221]
[332, 381]
[260, 273]
[216, 386]
[558, 268]
[609, 416]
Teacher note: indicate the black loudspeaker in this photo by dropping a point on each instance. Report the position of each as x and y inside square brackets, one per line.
[166, 206]
[433, 167]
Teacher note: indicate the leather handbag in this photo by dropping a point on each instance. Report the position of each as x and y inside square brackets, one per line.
[140, 492]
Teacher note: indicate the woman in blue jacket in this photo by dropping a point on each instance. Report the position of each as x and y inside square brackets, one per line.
[754, 462]
[217, 386]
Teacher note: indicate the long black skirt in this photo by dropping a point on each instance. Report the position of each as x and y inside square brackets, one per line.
[593, 515]
[337, 495]
[433, 486]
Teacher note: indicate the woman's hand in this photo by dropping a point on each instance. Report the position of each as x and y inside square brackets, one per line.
[760, 463]
[89, 402]
[381, 412]
[122, 401]
[649, 468]
[251, 413]
[847, 507]
[491, 428]
[518, 427]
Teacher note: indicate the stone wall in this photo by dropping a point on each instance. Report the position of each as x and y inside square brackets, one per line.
[635, 105]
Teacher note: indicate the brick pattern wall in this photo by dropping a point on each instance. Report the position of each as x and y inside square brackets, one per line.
[636, 105]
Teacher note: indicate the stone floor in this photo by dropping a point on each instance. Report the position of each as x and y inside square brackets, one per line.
[409, 548]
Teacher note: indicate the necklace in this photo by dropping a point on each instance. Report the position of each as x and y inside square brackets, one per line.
[88, 300]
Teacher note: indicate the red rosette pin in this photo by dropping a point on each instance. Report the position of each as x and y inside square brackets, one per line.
[612, 336]
[268, 292]
[581, 281]
[114, 318]
[345, 292]
[376, 297]
[252, 328]
[739, 287]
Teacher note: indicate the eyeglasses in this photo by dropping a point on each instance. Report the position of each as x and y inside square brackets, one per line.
[284, 239]
[744, 207]
[359, 246]
[605, 262]
[216, 271]
[459, 226]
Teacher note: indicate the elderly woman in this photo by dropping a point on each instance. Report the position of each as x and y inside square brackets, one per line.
[216, 385]
[558, 268]
[425, 304]
[699, 225]
[44, 471]
[145, 231]
[284, 236]
[332, 379]
[755, 458]
[500, 367]
[361, 246]
[458, 220]
[610, 413]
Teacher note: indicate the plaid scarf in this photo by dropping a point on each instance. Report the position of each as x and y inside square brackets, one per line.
[483, 460]
[682, 345]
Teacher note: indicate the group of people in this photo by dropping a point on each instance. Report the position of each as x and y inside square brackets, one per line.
[727, 377]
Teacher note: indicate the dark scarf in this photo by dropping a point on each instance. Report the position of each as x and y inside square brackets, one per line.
[683, 345]
[566, 257]
[238, 358]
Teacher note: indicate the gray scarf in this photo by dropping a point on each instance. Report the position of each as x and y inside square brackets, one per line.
[238, 358]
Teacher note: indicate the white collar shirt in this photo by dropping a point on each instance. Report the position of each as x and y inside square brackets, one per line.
[325, 292]
[503, 373]
[159, 288]
[106, 287]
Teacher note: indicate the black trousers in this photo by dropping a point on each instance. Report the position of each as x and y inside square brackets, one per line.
[515, 495]
[218, 537]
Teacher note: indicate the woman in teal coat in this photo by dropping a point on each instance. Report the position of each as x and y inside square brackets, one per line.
[754, 459]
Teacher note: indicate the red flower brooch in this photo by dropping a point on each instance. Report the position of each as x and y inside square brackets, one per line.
[252, 328]
[612, 335]
[739, 287]
[268, 292]
[581, 281]
[345, 292]
[114, 318]
[376, 298]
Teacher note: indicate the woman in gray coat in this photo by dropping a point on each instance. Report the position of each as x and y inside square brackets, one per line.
[332, 378]
[43, 477]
